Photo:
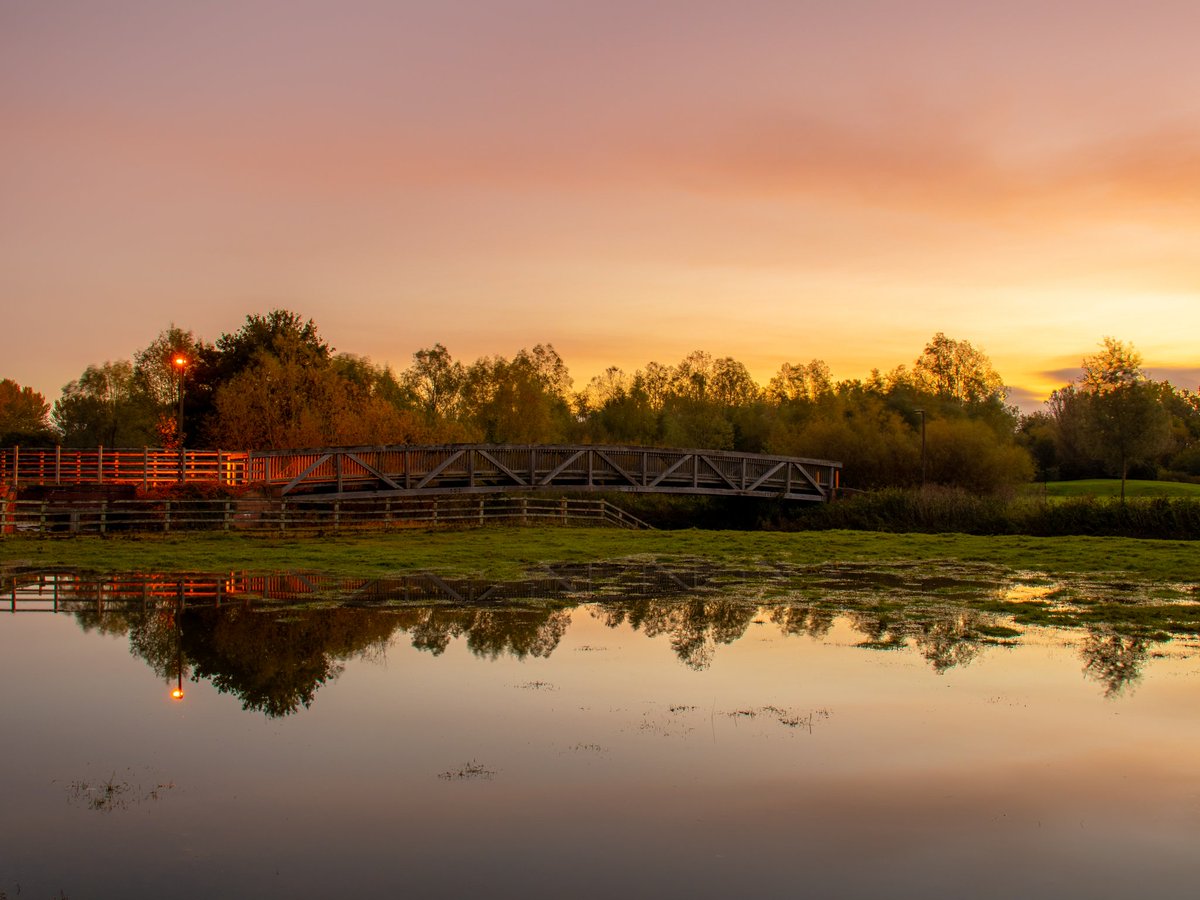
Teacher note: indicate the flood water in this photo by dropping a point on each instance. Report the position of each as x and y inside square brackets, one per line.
[599, 730]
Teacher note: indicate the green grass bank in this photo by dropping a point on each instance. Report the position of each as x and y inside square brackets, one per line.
[510, 552]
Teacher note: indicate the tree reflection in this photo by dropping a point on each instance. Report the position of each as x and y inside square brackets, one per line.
[1114, 660]
[275, 660]
[694, 626]
[946, 638]
[814, 620]
[261, 639]
[490, 632]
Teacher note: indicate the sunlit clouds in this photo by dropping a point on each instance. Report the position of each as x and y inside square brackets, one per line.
[772, 181]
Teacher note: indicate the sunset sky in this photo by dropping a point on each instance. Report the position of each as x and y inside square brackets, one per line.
[772, 181]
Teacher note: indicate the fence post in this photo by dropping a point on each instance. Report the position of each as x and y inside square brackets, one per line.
[282, 515]
[435, 510]
[481, 509]
[103, 516]
[337, 514]
[167, 520]
[42, 517]
[100, 464]
[225, 517]
[387, 512]
[57, 464]
[17, 466]
[562, 506]
[145, 468]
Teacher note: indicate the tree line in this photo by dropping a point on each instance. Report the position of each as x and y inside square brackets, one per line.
[276, 383]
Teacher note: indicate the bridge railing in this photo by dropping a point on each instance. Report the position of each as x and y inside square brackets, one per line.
[145, 467]
[448, 469]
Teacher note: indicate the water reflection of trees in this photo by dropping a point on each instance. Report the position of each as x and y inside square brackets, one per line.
[490, 632]
[275, 658]
[1114, 660]
[694, 627]
[276, 651]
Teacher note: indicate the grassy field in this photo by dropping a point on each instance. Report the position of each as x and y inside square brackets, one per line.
[1111, 487]
[510, 552]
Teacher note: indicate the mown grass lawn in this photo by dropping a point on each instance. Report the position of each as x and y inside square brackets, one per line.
[1111, 487]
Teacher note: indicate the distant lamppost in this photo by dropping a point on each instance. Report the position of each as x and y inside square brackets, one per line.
[180, 362]
[921, 413]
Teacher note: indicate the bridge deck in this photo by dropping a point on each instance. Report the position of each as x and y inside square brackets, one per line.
[340, 472]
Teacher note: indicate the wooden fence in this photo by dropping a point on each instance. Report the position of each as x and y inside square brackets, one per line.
[283, 515]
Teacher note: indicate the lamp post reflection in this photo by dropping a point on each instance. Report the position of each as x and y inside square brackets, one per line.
[177, 691]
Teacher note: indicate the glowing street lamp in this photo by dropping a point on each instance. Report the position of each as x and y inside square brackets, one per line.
[180, 362]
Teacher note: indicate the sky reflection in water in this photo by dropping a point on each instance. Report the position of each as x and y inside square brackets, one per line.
[592, 731]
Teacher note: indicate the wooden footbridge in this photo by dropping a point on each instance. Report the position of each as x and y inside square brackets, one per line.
[407, 471]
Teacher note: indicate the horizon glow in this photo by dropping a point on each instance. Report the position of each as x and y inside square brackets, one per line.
[774, 182]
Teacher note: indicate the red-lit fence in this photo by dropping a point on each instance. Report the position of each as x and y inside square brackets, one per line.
[144, 467]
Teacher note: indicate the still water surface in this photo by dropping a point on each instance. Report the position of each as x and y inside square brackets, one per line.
[596, 731]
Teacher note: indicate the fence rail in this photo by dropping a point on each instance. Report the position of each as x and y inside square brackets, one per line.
[146, 467]
[283, 515]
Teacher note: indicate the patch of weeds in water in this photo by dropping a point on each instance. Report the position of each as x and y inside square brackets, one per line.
[786, 717]
[681, 709]
[587, 748]
[469, 771]
[113, 794]
[536, 686]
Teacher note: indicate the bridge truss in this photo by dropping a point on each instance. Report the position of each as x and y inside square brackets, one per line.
[345, 472]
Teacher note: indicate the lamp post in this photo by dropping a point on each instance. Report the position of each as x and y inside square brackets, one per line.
[180, 362]
[921, 413]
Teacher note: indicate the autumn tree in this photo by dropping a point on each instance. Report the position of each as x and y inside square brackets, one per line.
[519, 401]
[956, 370]
[106, 406]
[24, 415]
[434, 381]
[1126, 414]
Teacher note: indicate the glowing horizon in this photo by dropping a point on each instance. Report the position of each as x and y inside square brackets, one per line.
[766, 181]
